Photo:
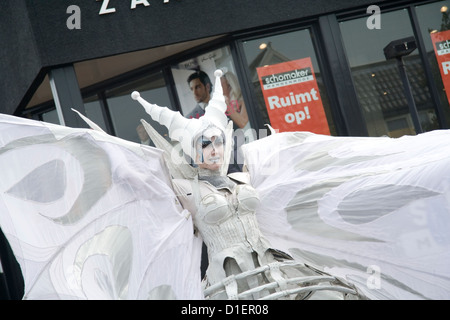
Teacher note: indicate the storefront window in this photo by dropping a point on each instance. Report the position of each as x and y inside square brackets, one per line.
[288, 83]
[51, 117]
[93, 110]
[378, 84]
[434, 22]
[194, 81]
[127, 113]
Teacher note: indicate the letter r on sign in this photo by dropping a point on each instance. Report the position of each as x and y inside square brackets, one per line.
[446, 66]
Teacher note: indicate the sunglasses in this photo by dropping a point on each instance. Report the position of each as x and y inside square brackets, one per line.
[218, 141]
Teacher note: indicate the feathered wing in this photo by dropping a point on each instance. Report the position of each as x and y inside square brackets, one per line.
[91, 216]
[373, 210]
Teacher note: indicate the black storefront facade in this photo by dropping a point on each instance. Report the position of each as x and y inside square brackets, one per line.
[90, 55]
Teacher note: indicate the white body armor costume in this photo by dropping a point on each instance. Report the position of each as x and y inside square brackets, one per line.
[242, 264]
[226, 220]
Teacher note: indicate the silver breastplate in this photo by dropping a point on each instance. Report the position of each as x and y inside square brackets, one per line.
[227, 219]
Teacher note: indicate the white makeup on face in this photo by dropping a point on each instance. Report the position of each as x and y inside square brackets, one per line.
[211, 153]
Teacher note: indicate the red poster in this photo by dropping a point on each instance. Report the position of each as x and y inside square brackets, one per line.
[441, 43]
[292, 97]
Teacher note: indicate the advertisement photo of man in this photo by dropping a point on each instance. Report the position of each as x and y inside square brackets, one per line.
[201, 87]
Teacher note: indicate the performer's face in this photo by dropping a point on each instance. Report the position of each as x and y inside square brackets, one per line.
[211, 156]
[200, 91]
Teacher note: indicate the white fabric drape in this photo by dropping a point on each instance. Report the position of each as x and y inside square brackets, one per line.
[373, 210]
[90, 216]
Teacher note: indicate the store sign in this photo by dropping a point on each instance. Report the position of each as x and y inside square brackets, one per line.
[292, 97]
[107, 8]
[441, 43]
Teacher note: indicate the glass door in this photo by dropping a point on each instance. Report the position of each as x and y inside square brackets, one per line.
[288, 83]
[377, 80]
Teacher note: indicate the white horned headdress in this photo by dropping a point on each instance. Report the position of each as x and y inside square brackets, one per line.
[185, 132]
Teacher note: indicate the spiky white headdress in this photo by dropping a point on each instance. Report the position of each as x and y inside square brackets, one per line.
[187, 131]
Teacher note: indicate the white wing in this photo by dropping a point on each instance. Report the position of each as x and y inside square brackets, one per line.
[373, 210]
[91, 216]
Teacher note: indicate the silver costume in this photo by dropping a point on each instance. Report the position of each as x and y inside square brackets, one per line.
[242, 263]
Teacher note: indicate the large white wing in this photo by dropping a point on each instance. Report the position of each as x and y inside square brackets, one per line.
[373, 210]
[91, 216]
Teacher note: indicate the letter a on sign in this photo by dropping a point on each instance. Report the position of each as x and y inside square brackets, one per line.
[134, 3]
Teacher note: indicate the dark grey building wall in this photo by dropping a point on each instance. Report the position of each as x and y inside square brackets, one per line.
[19, 55]
[35, 36]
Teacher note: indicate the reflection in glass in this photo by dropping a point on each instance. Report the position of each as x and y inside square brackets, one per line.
[277, 49]
[194, 81]
[93, 110]
[51, 117]
[126, 113]
[377, 81]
